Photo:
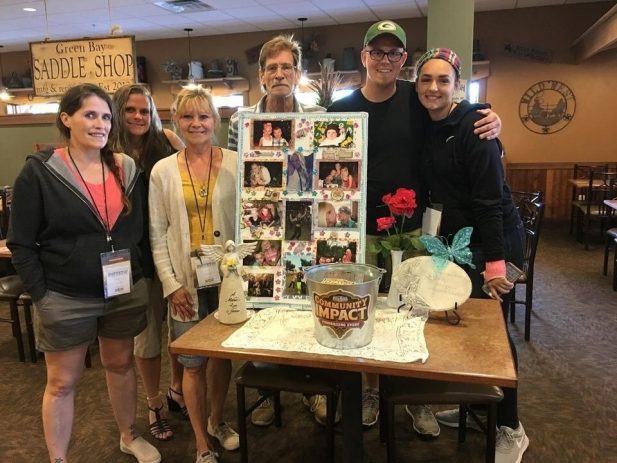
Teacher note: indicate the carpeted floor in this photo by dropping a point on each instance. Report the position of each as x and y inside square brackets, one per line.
[567, 397]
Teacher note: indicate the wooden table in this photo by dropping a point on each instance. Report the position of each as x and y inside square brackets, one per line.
[612, 203]
[579, 183]
[475, 351]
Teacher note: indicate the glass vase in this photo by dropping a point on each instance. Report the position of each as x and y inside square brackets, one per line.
[394, 296]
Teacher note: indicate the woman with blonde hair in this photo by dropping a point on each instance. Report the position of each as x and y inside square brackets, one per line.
[141, 135]
[186, 190]
[326, 215]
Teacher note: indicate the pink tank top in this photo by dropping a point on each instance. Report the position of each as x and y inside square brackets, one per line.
[112, 188]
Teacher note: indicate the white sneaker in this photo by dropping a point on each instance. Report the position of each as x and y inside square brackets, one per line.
[449, 418]
[510, 444]
[226, 436]
[318, 405]
[370, 407]
[264, 414]
[141, 449]
[207, 457]
[423, 420]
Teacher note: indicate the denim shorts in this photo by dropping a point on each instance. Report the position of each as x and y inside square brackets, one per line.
[62, 322]
[208, 301]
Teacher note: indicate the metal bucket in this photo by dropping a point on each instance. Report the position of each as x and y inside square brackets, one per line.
[343, 298]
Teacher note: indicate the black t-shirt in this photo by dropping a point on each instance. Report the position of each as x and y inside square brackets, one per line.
[396, 132]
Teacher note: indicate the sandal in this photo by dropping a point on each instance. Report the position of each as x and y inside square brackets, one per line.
[174, 406]
[160, 425]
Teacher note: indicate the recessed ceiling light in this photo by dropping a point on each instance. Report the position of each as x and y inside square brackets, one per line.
[29, 9]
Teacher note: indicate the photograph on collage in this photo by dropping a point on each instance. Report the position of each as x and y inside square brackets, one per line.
[267, 254]
[336, 251]
[260, 284]
[274, 134]
[337, 214]
[298, 220]
[294, 273]
[333, 134]
[338, 174]
[263, 174]
[299, 172]
[261, 219]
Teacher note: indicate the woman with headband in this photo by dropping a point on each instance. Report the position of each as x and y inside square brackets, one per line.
[465, 175]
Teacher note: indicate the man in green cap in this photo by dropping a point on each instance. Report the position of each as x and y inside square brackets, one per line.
[396, 132]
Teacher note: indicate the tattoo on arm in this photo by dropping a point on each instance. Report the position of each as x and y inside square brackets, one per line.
[59, 460]
[133, 431]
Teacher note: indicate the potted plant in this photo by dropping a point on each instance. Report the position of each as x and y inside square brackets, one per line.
[326, 85]
[173, 69]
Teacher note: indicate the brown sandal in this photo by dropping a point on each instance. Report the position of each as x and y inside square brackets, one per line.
[174, 406]
[160, 426]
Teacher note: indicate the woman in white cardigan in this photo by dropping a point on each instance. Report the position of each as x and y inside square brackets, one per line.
[190, 197]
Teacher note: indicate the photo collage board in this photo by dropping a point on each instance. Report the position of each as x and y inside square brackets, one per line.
[301, 194]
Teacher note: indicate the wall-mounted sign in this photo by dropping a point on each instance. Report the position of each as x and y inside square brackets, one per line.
[547, 107]
[58, 65]
[526, 52]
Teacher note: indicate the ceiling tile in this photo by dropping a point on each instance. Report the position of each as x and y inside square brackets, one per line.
[75, 18]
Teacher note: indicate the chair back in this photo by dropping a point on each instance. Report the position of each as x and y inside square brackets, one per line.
[533, 212]
[524, 201]
[6, 196]
[601, 186]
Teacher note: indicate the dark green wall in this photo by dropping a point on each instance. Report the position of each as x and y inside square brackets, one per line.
[16, 142]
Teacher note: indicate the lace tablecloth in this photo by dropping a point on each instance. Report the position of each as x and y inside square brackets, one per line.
[398, 337]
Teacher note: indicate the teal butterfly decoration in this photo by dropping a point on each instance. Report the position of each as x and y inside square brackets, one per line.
[442, 253]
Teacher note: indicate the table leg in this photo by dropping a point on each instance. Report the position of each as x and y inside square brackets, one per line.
[353, 447]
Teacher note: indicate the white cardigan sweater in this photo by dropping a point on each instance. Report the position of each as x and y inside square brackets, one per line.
[169, 224]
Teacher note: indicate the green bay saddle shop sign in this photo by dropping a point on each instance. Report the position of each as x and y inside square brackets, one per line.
[58, 65]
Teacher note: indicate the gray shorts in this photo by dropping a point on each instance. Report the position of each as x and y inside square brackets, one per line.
[62, 322]
[208, 299]
[148, 342]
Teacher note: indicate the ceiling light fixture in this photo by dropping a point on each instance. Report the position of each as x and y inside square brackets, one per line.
[47, 38]
[4, 92]
[303, 77]
[29, 9]
[190, 85]
[114, 29]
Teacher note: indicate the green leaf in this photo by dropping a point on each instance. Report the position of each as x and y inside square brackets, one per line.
[394, 241]
[374, 248]
[417, 243]
[386, 245]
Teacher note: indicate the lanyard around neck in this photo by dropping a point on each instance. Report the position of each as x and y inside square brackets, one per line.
[105, 221]
[202, 223]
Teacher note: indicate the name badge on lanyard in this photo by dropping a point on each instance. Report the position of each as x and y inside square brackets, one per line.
[206, 272]
[117, 274]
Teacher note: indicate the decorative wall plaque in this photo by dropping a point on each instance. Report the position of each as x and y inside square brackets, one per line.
[547, 107]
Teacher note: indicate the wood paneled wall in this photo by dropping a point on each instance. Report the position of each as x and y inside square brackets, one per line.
[551, 179]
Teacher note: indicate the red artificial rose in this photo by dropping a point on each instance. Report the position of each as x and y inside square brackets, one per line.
[403, 202]
[385, 223]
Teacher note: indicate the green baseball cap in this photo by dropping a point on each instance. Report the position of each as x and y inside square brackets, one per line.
[385, 27]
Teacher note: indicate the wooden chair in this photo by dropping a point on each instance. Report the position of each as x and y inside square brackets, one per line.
[531, 215]
[601, 186]
[395, 390]
[615, 268]
[10, 289]
[6, 195]
[276, 378]
[611, 239]
[579, 194]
